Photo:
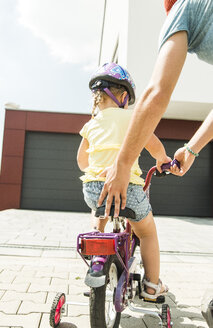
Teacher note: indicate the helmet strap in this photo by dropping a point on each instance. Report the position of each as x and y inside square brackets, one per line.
[110, 94]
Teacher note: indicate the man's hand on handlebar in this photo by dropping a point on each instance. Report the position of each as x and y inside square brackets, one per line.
[185, 158]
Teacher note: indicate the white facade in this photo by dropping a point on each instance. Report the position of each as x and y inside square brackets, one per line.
[130, 35]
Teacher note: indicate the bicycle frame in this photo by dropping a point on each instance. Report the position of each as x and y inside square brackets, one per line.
[115, 243]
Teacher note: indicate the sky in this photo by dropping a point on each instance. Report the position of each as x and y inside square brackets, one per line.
[48, 51]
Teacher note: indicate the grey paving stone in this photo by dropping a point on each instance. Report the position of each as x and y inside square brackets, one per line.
[20, 252]
[7, 276]
[14, 287]
[77, 310]
[39, 297]
[7, 261]
[2, 293]
[167, 258]
[10, 307]
[41, 281]
[28, 307]
[71, 254]
[35, 268]
[24, 321]
[44, 321]
[58, 275]
[10, 267]
[16, 274]
[47, 288]
[195, 259]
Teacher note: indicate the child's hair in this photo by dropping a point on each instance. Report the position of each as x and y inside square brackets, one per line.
[100, 96]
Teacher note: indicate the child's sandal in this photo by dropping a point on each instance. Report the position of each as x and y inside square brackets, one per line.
[157, 289]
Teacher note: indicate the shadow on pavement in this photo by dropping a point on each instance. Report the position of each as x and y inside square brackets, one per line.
[67, 325]
[179, 313]
[196, 220]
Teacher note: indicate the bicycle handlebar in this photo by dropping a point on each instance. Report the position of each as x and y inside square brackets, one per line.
[167, 166]
[164, 167]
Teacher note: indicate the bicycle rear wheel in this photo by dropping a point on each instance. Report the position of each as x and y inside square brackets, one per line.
[102, 309]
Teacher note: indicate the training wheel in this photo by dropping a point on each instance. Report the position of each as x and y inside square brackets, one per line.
[57, 309]
[166, 316]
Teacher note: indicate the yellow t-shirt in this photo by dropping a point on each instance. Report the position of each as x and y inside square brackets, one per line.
[105, 134]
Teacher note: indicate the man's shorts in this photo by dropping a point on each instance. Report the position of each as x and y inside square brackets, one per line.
[136, 198]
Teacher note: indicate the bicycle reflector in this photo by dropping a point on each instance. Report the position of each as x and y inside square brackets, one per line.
[98, 246]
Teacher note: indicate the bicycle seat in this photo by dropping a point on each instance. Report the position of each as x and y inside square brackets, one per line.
[126, 212]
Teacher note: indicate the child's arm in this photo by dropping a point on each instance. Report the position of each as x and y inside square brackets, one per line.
[157, 151]
[82, 155]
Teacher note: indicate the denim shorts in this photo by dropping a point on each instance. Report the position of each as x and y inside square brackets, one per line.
[136, 198]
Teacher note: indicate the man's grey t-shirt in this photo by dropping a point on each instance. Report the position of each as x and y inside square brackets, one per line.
[196, 18]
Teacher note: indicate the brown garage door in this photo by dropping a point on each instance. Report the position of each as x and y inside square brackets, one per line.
[51, 175]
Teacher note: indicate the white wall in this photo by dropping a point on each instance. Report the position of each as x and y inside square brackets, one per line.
[138, 23]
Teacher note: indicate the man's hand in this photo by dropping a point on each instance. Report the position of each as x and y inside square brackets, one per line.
[186, 160]
[117, 180]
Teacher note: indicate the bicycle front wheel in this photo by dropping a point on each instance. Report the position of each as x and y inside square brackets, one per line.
[102, 309]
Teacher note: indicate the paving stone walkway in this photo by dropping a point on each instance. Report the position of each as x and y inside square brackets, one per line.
[38, 259]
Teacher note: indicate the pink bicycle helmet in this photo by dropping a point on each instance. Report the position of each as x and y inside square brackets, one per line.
[112, 74]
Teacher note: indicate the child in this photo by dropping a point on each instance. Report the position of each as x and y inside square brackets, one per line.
[113, 89]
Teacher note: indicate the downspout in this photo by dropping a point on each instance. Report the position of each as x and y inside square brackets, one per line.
[102, 32]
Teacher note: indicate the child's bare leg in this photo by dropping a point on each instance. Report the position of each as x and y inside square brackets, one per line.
[101, 223]
[94, 220]
[146, 232]
[98, 224]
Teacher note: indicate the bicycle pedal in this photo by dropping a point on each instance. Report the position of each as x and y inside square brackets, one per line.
[136, 277]
[159, 300]
[87, 294]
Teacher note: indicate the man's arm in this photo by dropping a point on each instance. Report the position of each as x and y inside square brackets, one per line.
[203, 135]
[147, 114]
[200, 139]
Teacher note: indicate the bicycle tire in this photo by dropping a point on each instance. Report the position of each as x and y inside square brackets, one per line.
[166, 316]
[98, 303]
[56, 309]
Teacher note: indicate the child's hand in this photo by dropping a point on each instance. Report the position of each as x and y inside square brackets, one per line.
[160, 162]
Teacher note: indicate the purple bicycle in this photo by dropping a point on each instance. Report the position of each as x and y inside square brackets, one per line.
[115, 281]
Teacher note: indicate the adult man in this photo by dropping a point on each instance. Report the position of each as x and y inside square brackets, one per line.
[188, 28]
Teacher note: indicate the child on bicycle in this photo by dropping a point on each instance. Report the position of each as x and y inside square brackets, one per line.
[113, 90]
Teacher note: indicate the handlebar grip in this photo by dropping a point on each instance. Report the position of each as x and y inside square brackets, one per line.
[167, 166]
